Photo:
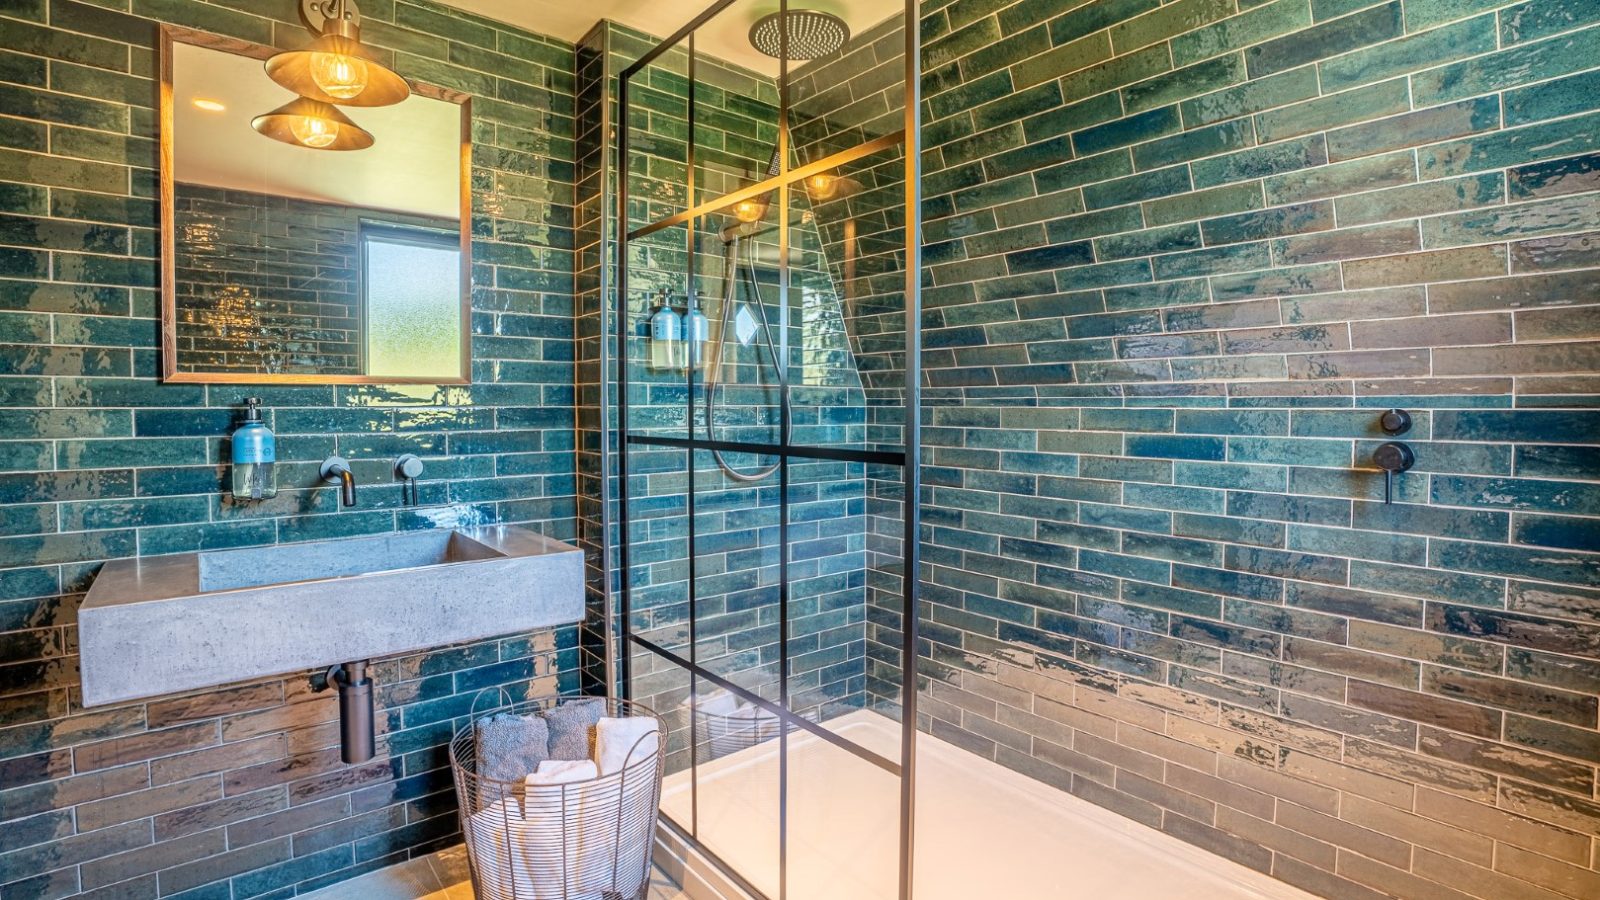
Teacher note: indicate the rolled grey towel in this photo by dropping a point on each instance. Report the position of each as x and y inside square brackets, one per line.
[572, 727]
[510, 747]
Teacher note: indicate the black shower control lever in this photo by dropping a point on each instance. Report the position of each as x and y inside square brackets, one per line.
[1392, 457]
[1395, 422]
[406, 469]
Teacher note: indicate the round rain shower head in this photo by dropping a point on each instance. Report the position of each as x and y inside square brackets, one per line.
[812, 33]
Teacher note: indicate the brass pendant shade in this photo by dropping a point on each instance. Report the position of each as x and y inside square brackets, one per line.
[309, 123]
[338, 68]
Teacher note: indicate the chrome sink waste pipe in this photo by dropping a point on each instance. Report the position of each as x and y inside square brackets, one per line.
[356, 733]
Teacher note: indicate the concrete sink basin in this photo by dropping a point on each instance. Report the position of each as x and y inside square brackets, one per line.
[164, 624]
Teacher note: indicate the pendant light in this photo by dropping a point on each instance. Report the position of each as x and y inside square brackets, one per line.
[304, 122]
[822, 185]
[336, 67]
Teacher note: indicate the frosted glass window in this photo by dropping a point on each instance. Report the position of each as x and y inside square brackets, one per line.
[412, 287]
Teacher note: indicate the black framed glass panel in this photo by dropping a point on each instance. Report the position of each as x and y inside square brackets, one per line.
[771, 315]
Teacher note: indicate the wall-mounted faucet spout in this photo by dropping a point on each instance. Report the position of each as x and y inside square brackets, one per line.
[336, 470]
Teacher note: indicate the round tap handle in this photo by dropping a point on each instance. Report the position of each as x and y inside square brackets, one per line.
[1395, 422]
[408, 466]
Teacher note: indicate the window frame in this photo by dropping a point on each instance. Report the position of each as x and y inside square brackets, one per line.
[388, 232]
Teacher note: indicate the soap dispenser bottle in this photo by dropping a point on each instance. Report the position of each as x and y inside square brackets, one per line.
[254, 452]
[666, 337]
[696, 329]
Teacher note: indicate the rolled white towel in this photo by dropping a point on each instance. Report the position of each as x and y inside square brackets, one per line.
[623, 744]
[555, 845]
[563, 771]
[571, 819]
[504, 846]
[619, 743]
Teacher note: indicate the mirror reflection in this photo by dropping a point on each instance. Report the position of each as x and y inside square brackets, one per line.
[311, 239]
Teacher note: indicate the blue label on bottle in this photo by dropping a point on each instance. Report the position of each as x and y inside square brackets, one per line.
[665, 325]
[253, 442]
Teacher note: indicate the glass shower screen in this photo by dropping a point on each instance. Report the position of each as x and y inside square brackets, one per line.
[767, 328]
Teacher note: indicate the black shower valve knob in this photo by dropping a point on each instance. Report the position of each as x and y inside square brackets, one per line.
[1395, 422]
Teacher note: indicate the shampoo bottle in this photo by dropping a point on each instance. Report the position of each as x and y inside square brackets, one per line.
[666, 338]
[696, 329]
[254, 452]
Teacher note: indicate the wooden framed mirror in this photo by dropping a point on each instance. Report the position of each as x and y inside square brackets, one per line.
[283, 263]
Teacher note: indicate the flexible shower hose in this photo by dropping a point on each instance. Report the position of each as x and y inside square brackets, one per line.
[730, 298]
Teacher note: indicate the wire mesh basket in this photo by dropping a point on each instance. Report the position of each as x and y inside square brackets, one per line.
[724, 726]
[583, 840]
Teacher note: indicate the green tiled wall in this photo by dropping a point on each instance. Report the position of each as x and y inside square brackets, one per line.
[1180, 257]
[239, 792]
[240, 312]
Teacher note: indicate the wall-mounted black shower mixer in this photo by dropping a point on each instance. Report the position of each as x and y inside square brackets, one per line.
[1393, 458]
[1395, 422]
[406, 469]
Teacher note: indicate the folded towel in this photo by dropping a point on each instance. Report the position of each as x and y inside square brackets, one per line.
[520, 854]
[510, 747]
[574, 835]
[625, 744]
[573, 817]
[619, 743]
[563, 771]
[572, 726]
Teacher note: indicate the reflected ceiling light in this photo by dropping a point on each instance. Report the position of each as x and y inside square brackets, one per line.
[752, 210]
[812, 33]
[336, 67]
[831, 186]
[208, 104]
[822, 185]
[314, 124]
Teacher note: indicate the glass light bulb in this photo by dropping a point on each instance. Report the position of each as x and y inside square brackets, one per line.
[339, 75]
[749, 210]
[822, 184]
[314, 132]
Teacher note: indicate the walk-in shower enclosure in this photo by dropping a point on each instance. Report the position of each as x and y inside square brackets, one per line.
[764, 458]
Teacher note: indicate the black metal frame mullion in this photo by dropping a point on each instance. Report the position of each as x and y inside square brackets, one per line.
[836, 454]
[912, 437]
[784, 435]
[691, 454]
[624, 686]
[611, 635]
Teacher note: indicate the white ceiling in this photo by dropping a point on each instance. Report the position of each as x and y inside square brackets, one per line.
[414, 165]
[727, 36]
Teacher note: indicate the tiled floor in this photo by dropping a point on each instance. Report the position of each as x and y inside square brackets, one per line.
[441, 876]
